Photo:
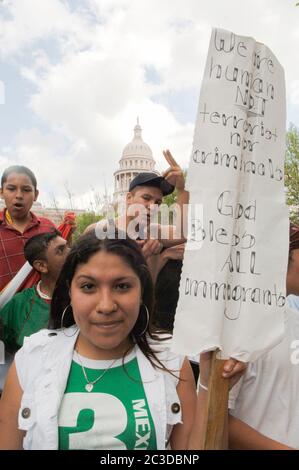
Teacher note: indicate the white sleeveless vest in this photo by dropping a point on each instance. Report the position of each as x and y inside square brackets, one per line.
[43, 366]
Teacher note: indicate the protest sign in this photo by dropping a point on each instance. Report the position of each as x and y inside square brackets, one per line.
[232, 290]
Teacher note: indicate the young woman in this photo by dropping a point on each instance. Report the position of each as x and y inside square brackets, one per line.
[100, 379]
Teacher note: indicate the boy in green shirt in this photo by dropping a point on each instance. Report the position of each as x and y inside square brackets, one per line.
[28, 311]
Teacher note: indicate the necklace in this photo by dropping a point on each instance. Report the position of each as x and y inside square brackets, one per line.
[89, 385]
[8, 217]
[41, 294]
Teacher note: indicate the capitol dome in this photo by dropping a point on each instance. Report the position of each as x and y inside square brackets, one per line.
[136, 157]
[137, 148]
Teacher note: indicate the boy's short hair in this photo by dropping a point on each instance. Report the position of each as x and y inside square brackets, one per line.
[22, 170]
[36, 247]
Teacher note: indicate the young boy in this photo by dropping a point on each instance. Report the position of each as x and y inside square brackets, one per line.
[28, 311]
[264, 404]
[17, 223]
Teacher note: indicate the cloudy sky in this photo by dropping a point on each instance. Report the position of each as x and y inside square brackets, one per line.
[74, 75]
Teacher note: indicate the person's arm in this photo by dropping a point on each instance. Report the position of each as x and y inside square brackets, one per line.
[150, 250]
[232, 370]
[189, 434]
[7, 317]
[181, 215]
[90, 228]
[99, 228]
[172, 238]
[187, 394]
[11, 438]
[174, 175]
[155, 265]
[244, 437]
[175, 252]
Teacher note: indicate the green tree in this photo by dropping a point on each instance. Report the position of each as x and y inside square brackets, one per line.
[84, 220]
[292, 172]
[170, 199]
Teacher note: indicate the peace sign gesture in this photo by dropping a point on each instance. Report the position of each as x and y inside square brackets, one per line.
[174, 174]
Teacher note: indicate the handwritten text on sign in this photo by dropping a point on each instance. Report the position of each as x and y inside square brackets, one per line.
[232, 290]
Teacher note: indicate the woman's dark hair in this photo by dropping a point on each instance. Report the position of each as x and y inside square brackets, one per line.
[22, 170]
[126, 248]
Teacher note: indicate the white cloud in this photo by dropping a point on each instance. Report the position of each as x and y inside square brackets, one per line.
[31, 20]
[2, 93]
[87, 99]
[4, 160]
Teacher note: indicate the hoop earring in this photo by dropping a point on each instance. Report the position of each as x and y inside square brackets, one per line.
[63, 328]
[147, 319]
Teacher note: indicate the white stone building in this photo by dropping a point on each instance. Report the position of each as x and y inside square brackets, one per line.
[137, 157]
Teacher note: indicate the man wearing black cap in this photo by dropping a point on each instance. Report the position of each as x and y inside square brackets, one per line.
[145, 195]
[153, 180]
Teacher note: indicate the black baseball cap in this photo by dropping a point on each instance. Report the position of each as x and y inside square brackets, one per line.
[152, 179]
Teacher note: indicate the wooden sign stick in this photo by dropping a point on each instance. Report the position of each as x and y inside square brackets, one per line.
[215, 433]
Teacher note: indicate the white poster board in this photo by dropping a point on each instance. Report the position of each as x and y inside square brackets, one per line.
[232, 291]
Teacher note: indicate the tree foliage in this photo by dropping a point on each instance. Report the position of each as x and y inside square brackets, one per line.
[84, 220]
[292, 172]
[170, 199]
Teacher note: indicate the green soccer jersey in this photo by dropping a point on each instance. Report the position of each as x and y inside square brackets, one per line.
[25, 314]
[113, 415]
